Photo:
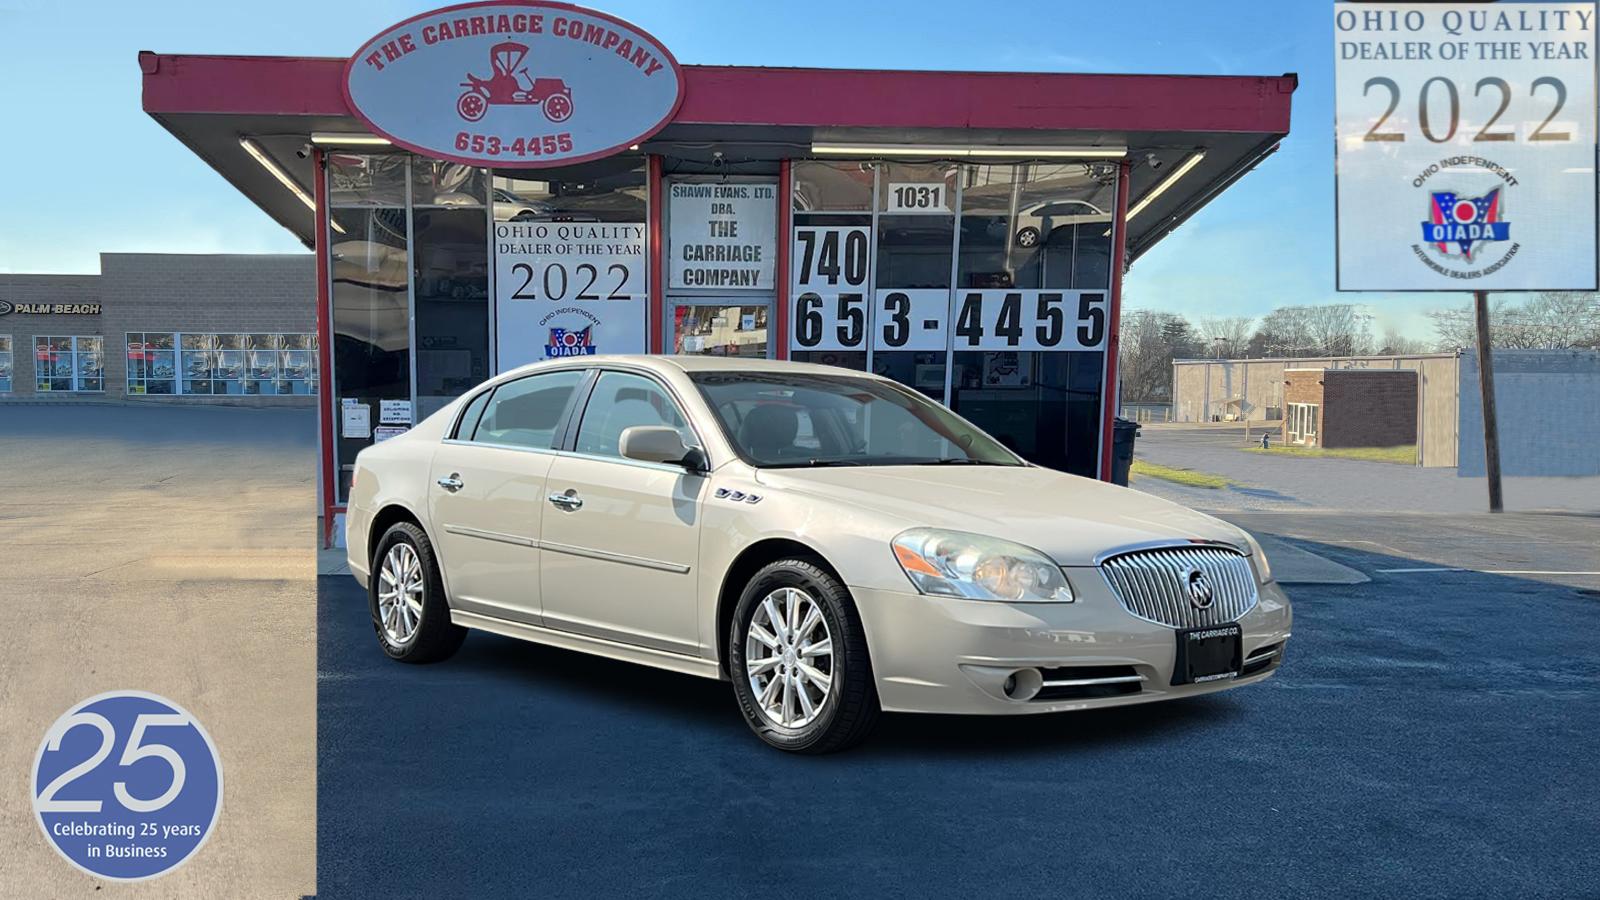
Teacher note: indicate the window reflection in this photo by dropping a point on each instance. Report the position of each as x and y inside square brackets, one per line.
[720, 330]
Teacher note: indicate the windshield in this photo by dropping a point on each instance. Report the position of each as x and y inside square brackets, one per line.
[786, 420]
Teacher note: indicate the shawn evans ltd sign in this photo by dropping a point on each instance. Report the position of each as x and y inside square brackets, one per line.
[514, 84]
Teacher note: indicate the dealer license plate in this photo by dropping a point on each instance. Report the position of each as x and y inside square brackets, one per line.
[1207, 654]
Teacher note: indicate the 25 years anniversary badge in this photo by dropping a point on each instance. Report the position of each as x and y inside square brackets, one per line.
[127, 785]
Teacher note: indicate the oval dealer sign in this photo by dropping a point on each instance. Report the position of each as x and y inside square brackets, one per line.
[514, 84]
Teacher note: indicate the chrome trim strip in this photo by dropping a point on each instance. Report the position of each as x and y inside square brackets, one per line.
[500, 537]
[661, 659]
[1167, 544]
[1258, 656]
[1088, 682]
[607, 556]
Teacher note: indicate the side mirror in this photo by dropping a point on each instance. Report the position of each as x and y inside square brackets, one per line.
[660, 444]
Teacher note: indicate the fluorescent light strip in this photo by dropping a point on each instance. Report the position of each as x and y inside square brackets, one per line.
[342, 139]
[1169, 181]
[968, 152]
[260, 156]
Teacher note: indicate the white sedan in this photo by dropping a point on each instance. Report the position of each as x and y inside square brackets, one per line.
[833, 543]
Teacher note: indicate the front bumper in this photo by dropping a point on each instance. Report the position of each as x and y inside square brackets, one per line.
[946, 655]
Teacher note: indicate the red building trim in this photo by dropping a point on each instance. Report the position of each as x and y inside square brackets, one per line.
[835, 98]
[779, 328]
[327, 446]
[1109, 395]
[655, 316]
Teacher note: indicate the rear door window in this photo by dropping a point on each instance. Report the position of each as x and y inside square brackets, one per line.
[526, 412]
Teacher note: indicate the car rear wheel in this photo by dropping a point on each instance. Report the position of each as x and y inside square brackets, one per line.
[798, 660]
[406, 595]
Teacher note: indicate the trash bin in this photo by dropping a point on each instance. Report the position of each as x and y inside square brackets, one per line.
[1123, 433]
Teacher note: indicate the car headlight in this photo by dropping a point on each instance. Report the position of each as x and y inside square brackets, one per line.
[957, 564]
[1263, 568]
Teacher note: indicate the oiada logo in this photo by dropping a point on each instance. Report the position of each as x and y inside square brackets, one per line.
[515, 83]
[1462, 231]
[570, 343]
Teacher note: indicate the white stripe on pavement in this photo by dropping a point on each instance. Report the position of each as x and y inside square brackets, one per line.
[1484, 571]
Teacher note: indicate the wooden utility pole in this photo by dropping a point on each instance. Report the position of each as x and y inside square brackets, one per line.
[1491, 428]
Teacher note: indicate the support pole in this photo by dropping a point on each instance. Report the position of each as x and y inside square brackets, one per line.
[1491, 428]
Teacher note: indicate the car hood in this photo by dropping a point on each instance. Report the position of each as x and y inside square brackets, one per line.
[1069, 518]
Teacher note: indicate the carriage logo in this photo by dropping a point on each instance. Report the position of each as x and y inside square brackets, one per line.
[509, 84]
[570, 343]
[1464, 222]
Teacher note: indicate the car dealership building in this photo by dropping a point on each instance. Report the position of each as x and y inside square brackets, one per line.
[498, 183]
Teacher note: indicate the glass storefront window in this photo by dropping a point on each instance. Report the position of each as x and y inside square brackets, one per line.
[451, 290]
[719, 330]
[915, 243]
[221, 363]
[991, 279]
[360, 179]
[64, 364]
[1031, 227]
[609, 190]
[831, 186]
[5, 363]
[435, 182]
[152, 363]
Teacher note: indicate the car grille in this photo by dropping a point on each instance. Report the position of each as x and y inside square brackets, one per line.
[1153, 585]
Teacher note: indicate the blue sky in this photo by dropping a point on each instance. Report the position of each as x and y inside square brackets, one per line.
[88, 171]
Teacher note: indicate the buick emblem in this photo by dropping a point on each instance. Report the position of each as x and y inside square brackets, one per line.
[1199, 588]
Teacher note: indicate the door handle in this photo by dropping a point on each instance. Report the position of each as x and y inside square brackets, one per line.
[452, 483]
[568, 502]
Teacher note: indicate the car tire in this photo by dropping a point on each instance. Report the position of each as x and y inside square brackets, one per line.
[1028, 237]
[411, 635]
[848, 706]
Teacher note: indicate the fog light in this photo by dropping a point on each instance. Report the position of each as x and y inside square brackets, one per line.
[1023, 684]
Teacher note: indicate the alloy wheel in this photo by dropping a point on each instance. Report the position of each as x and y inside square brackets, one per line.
[788, 653]
[400, 582]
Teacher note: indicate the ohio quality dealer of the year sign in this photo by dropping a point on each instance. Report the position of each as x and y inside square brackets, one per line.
[1465, 153]
[514, 84]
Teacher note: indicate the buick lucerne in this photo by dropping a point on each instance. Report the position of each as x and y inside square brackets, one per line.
[834, 544]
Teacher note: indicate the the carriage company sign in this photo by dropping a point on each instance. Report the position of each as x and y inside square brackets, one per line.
[514, 84]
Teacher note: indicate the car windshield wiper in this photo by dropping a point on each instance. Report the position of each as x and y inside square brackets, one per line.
[820, 463]
[957, 461]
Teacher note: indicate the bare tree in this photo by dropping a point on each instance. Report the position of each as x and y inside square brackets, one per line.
[1150, 340]
[1551, 320]
[1227, 335]
[1336, 329]
[1396, 344]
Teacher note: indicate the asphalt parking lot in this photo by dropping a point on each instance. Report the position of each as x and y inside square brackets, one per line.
[168, 549]
[1432, 734]
[1270, 482]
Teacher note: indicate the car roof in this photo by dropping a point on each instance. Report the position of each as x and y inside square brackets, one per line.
[692, 364]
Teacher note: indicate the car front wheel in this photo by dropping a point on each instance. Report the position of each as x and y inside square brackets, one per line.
[798, 660]
[406, 596]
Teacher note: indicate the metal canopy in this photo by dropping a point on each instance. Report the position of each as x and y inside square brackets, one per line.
[757, 116]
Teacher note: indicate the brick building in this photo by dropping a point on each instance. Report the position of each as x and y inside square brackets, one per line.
[1350, 407]
[180, 328]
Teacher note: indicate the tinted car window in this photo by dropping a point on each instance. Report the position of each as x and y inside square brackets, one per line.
[621, 401]
[525, 412]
